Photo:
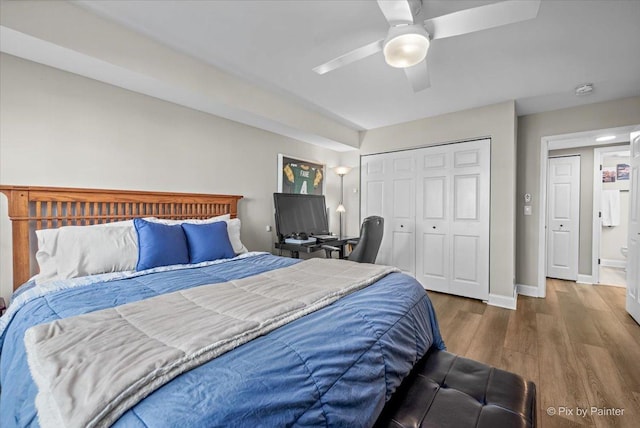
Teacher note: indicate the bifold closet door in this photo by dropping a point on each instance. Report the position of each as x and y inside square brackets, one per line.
[435, 204]
[452, 218]
[388, 190]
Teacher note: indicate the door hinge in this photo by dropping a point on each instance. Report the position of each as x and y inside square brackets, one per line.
[600, 167]
[598, 261]
[599, 214]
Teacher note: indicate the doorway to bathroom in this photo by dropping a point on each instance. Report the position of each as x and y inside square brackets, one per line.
[586, 144]
[611, 214]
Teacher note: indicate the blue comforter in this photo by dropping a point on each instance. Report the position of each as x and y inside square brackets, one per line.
[334, 367]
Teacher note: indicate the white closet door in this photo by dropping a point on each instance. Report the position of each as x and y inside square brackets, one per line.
[373, 196]
[435, 204]
[433, 215]
[563, 217]
[453, 219]
[470, 206]
[388, 190]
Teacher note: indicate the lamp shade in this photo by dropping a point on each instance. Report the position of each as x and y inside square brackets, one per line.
[342, 170]
[406, 46]
[340, 209]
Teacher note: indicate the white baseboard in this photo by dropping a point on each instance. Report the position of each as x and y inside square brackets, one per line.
[585, 279]
[614, 285]
[528, 290]
[613, 263]
[503, 301]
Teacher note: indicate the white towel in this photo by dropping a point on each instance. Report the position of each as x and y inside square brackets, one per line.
[610, 208]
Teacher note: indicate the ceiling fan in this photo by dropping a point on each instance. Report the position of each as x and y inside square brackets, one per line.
[407, 41]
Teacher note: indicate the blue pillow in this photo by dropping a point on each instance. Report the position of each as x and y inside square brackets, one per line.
[160, 245]
[208, 241]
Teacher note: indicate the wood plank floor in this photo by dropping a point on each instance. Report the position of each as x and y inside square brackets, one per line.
[578, 345]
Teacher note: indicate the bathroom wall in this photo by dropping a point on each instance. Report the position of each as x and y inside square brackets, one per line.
[612, 238]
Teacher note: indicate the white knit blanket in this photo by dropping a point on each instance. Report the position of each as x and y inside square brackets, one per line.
[92, 368]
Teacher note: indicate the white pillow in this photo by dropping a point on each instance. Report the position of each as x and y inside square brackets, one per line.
[60, 250]
[190, 221]
[233, 228]
[85, 251]
[47, 243]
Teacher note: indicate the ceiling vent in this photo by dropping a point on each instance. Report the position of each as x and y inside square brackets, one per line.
[584, 89]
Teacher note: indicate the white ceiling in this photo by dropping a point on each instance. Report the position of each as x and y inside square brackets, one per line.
[275, 44]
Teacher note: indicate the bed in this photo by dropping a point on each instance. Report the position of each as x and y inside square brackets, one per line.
[336, 365]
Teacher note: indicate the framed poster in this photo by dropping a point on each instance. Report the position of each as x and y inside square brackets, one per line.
[609, 174]
[622, 171]
[302, 176]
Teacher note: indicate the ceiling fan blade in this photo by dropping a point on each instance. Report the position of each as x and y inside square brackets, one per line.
[350, 57]
[418, 76]
[482, 18]
[396, 11]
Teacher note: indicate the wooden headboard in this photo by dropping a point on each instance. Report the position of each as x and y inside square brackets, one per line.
[33, 208]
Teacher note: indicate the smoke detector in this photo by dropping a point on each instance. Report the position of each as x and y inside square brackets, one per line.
[584, 89]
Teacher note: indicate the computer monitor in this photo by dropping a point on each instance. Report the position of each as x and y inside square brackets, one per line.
[297, 213]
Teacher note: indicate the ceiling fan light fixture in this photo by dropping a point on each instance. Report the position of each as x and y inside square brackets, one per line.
[406, 46]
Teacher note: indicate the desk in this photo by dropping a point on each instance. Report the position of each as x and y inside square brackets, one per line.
[296, 249]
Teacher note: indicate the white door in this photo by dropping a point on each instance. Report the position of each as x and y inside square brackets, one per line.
[633, 255]
[433, 214]
[388, 190]
[563, 218]
[452, 218]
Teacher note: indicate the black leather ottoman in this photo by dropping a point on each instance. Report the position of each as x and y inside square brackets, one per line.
[445, 390]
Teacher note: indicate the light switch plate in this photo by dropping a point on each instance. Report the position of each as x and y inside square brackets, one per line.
[527, 210]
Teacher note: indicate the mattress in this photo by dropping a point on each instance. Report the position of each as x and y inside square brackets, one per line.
[337, 366]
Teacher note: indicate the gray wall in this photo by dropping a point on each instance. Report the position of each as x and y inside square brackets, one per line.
[531, 129]
[60, 129]
[498, 122]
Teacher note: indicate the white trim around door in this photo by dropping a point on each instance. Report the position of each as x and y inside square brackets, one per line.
[563, 141]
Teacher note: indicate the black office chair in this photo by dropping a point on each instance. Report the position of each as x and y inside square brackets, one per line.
[367, 246]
